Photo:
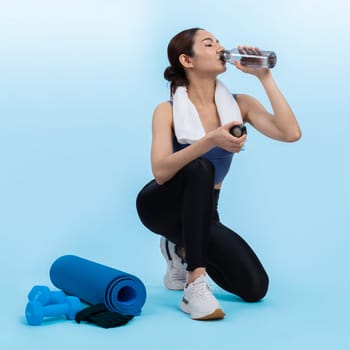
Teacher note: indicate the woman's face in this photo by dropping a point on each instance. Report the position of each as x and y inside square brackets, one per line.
[206, 56]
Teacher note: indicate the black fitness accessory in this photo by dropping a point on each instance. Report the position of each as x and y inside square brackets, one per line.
[101, 316]
[238, 130]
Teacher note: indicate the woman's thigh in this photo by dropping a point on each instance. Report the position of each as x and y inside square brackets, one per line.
[181, 207]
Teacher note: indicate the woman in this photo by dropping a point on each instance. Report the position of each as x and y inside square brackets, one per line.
[192, 149]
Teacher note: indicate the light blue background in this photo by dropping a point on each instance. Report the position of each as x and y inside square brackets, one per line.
[78, 84]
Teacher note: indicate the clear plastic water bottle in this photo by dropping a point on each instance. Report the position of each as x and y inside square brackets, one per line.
[250, 58]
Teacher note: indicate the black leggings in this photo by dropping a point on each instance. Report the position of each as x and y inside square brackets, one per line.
[184, 210]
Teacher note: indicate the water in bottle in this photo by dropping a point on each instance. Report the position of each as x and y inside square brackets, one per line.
[250, 57]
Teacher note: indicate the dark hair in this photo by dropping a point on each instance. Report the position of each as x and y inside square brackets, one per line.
[181, 43]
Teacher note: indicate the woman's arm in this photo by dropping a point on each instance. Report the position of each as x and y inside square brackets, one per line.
[282, 124]
[166, 163]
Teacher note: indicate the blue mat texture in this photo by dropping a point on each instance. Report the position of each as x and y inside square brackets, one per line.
[95, 283]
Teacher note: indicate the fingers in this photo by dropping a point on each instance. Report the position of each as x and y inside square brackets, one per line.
[235, 144]
[248, 50]
[224, 139]
[239, 66]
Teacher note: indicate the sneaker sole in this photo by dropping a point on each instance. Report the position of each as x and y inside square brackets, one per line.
[217, 314]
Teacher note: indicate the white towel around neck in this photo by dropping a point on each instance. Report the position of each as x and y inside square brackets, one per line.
[187, 124]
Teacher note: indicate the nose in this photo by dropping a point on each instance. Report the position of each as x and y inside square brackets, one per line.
[220, 48]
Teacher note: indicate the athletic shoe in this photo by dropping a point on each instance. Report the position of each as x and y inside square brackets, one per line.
[175, 276]
[199, 302]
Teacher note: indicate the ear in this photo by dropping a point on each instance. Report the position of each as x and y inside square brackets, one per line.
[186, 61]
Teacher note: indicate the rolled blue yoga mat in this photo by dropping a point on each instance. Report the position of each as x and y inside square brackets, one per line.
[95, 283]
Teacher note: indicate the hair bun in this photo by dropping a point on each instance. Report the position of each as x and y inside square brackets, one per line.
[170, 73]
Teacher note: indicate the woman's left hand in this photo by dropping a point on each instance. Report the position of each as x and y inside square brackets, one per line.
[258, 72]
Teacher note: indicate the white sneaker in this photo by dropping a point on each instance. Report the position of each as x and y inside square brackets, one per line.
[199, 302]
[175, 276]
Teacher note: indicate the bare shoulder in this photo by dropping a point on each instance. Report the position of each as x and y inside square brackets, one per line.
[163, 113]
[246, 103]
[163, 107]
[245, 100]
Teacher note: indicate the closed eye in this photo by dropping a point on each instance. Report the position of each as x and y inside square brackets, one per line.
[208, 42]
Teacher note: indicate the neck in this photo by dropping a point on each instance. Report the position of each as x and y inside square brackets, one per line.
[201, 92]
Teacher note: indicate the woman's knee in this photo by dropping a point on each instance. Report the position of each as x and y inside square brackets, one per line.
[141, 199]
[145, 202]
[200, 168]
[256, 288]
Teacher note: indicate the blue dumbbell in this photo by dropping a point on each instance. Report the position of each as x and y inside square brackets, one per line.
[45, 296]
[35, 311]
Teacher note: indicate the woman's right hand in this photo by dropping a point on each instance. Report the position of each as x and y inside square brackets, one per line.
[221, 137]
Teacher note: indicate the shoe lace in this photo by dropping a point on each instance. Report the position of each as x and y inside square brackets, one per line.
[203, 289]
